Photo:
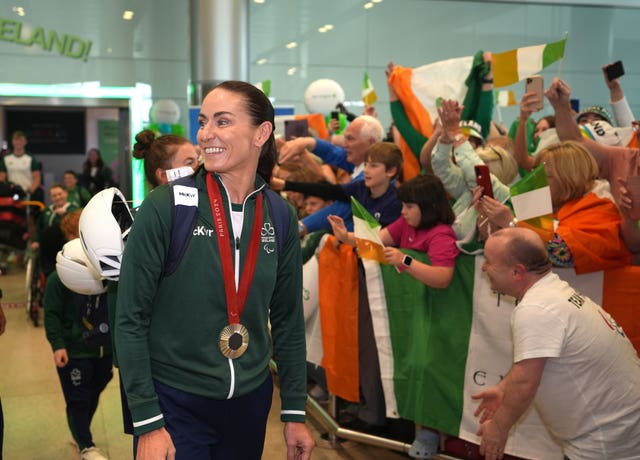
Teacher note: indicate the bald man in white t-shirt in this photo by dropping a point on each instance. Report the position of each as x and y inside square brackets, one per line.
[571, 360]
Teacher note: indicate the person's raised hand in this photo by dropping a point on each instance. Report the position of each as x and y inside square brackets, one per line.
[450, 112]
[558, 93]
[371, 111]
[293, 148]
[387, 72]
[528, 104]
[338, 227]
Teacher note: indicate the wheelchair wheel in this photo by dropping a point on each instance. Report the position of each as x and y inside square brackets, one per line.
[34, 290]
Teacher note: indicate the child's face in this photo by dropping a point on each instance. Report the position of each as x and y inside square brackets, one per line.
[411, 213]
[376, 174]
[313, 204]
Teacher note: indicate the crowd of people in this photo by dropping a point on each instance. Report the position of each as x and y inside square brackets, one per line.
[239, 276]
[593, 228]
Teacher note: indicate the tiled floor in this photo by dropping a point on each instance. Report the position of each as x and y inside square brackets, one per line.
[35, 423]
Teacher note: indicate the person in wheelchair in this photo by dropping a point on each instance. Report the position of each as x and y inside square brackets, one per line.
[48, 237]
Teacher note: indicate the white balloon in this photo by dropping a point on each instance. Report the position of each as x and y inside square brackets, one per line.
[322, 96]
[165, 111]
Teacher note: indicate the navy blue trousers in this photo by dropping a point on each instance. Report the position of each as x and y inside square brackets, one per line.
[209, 429]
[82, 380]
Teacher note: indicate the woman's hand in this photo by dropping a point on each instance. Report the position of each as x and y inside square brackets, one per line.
[558, 94]
[626, 202]
[498, 215]
[450, 112]
[527, 104]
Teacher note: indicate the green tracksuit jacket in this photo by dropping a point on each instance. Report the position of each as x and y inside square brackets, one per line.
[167, 328]
[61, 322]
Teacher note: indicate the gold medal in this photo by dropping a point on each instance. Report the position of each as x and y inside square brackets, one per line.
[233, 341]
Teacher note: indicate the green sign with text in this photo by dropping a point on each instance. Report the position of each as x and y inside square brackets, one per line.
[65, 44]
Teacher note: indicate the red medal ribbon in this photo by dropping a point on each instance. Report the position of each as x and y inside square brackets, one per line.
[235, 299]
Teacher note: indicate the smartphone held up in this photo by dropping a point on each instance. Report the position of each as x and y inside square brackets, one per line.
[614, 70]
[535, 83]
[483, 178]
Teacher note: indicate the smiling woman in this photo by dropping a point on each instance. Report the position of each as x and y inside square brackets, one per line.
[214, 355]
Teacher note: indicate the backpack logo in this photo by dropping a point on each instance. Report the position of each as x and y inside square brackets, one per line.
[185, 196]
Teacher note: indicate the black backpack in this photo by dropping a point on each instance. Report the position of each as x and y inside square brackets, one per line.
[93, 317]
[184, 220]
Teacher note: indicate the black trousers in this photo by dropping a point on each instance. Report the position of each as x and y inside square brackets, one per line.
[82, 380]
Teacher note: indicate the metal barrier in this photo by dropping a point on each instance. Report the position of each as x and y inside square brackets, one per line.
[336, 432]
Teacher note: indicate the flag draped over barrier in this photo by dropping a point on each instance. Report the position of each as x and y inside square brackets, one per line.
[437, 347]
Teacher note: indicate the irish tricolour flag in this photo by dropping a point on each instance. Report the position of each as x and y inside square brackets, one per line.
[531, 199]
[419, 88]
[365, 229]
[437, 347]
[517, 64]
[369, 96]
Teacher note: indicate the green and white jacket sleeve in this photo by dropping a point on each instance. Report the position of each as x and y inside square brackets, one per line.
[466, 158]
[287, 329]
[141, 269]
[449, 173]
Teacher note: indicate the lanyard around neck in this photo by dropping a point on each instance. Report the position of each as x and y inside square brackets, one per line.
[236, 299]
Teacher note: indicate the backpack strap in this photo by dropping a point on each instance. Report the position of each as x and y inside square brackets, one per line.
[184, 203]
[280, 217]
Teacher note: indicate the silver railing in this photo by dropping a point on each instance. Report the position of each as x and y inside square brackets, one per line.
[336, 432]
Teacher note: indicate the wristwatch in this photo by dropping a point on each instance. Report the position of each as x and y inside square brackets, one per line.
[406, 261]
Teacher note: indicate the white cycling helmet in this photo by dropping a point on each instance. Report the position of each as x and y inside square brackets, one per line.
[76, 272]
[104, 225]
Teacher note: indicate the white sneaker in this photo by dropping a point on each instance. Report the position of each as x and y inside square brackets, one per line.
[92, 453]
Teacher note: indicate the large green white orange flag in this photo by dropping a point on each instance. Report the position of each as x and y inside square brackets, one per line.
[419, 88]
[437, 347]
[365, 229]
[369, 96]
[517, 64]
[531, 199]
